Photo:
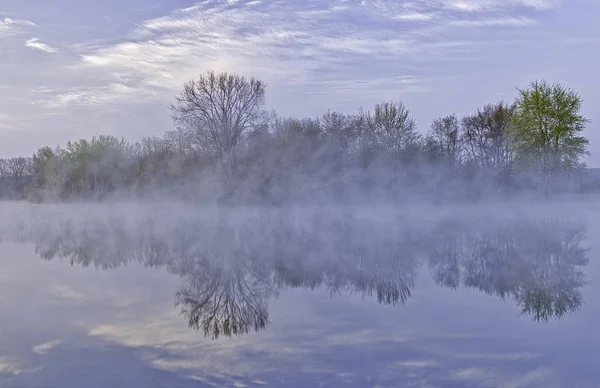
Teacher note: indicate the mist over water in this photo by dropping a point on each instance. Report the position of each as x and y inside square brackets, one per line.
[232, 269]
[371, 251]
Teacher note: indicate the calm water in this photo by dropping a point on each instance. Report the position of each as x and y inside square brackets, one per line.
[170, 296]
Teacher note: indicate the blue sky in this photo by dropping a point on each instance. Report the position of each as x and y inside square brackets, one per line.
[73, 68]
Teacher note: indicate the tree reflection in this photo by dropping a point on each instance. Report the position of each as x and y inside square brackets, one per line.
[225, 300]
[538, 264]
[230, 272]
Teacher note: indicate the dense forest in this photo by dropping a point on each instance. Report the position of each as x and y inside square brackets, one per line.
[226, 146]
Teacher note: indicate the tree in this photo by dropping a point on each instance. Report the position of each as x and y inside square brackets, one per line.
[4, 168]
[19, 167]
[485, 136]
[220, 111]
[546, 131]
[444, 140]
[45, 166]
[393, 127]
[96, 166]
[337, 126]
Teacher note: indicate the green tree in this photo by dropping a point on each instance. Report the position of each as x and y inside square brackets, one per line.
[45, 171]
[546, 131]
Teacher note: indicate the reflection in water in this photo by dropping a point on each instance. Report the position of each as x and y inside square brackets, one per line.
[225, 298]
[538, 264]
[231, 272]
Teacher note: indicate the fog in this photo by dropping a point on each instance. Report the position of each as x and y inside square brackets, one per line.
[233, 261]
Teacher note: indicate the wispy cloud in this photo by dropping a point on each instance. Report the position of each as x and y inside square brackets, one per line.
[35, 43]
[499, 22]
[9, 26]
[416, 16]
[113, 93]
[282, 41]
[45, 347]
[495, 5]
[10, 366]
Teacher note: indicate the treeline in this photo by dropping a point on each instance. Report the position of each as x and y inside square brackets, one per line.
[226, 146]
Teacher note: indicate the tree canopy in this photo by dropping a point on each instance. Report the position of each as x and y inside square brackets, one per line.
[546, 130]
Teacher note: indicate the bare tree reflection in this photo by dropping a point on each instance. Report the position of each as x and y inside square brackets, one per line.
[225, 300]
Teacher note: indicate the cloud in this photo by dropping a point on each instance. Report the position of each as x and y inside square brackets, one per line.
[13, 366]
[416, 16]
[45, 347]
[35, 43]
[501, 22]
[281, 42]
[495, 5]
[9, 26]
[113, 93]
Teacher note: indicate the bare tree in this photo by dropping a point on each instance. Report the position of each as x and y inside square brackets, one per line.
[337, 126]
[444, 139]
[4, 168]
[485, 135]
[393, 126]
[19, 167]
[220, 111]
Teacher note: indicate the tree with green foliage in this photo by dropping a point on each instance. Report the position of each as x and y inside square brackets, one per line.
[45, 171]
[546, 131]
[84, 168]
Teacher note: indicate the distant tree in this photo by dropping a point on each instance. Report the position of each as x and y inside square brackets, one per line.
[443, 140]
[546, 130]
[486, 141]
[337, 126]
[153, 164]
[393, 127]
[485, 135]
[15, 174]
[45, 174]
[95, 167]
[4, 168]
[219, 111]
[19, 167]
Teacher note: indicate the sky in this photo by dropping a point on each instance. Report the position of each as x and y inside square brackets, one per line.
[75, 69]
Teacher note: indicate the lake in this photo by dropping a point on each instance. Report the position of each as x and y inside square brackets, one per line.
[175, 295]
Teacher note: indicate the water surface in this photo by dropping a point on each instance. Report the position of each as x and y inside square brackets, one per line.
[119, 295]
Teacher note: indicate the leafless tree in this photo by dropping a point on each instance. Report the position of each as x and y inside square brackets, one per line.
[337, 126]
[19, 167]
[444, 139]
[393, 126]
[219, 111]
[4, 168]
[485, 135]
